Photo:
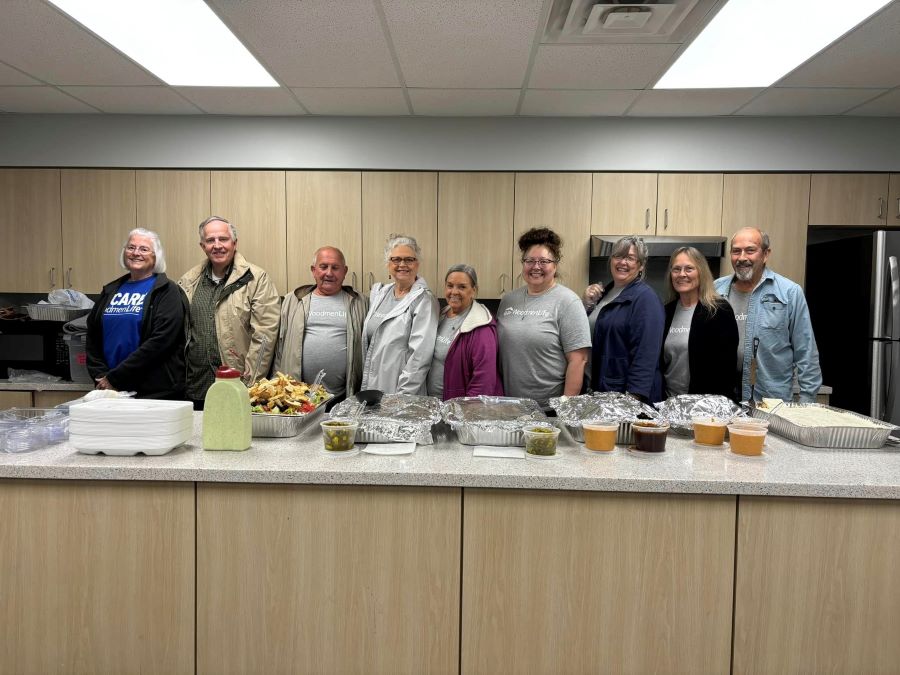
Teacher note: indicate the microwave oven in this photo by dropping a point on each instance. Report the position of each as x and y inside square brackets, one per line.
[33, 345]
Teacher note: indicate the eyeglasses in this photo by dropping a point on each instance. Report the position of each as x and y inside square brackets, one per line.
[750, 250]
[627, 258]
[143, 250]
[537, 262]
[687, 269]
[405, 261]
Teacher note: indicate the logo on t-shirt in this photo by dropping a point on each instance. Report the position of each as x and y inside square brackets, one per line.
[126, 303]
[678, 329]
[339, 314]
[513, 311]
[740, 317]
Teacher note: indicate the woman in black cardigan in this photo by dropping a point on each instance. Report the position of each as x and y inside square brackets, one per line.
[699, 354]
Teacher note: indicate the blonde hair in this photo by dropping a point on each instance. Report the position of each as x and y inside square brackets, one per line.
[707, 289]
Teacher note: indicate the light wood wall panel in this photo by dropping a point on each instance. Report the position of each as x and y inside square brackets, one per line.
[475, 226]
[624, 203]
[587, 582]
[373, 573]
[817, 588]
[174, 203]
[97, 577]
[98, 212]
[689, 204]
[562, 202]
[30, 230]
[324, 208]
[254, 202]
[400, 202]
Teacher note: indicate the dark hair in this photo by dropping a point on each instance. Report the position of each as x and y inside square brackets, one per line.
[541, 236]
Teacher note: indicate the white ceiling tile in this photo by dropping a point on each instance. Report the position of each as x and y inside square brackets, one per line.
[135, 100]
[867, 57]
[690, 102]
[887, 105]
[242, 100]
[51, 47]
[10, 77]
[463, 43]
[353, 101]
[599, 66]
[39, 100]
[798, 102]
[464, 102]
[315, 43]
[552, 102]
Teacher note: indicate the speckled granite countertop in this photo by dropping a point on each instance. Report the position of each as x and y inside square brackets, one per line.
[6, 385]
[788, 469]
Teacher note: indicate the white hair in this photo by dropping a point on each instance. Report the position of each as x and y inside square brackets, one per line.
[396, 240]
[158, 251]
[213, 219]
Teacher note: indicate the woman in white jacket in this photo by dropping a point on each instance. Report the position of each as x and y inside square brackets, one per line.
[400, 328]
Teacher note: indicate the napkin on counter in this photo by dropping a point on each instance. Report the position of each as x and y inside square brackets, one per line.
[389, 448]
[498, 451]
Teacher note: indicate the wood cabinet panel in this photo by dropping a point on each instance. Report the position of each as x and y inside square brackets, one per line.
[173, 204]
[254, 202]
[586, 582]
[849, 199]
[624, 203]
[327, 579]
[399, 202]
[15, 399]
[324, 208]
[475, 226]
[817, 587]
[97, 577]
[689, 204]
[30, 230]
[779, 205]
[893, 209]
[562, 202]
[98, 212]
[51, 399]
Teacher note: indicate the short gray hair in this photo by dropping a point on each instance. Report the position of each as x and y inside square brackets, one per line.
[396, 240]
[221, 219]
[468, 270]
[158, 251]
[763, 237]
[620, 248]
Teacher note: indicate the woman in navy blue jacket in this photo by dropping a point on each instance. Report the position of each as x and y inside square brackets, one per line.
[628, 332]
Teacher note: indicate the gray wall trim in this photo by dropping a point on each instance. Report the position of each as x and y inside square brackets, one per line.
[493, 144]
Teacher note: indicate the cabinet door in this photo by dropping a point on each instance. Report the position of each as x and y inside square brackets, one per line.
[689, 204]
[51, 399]
[323, 209]
[15, 399]
[848, 199]
[98, 212]
[30, 255]
[624, 203]
[475, 226]
[399, 202]
[893, 210]
[779, 205]
[254, 203]
[562, 202]
[173, 204]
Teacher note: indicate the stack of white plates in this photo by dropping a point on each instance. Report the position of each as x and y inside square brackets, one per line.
[129, 427]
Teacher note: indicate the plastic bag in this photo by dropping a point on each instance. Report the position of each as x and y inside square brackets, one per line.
[31, 376]
[69, 297]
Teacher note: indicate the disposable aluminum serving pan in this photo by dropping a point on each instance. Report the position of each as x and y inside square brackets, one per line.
[469, 434]
[855, 438]
[284, 426]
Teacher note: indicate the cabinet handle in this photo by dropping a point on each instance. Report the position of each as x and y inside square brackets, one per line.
[353, 276]
[502, 280]
[880, 208]
[53, 276]
[519, 278]
[371, 280]
[666, 219]
[898, 207]
[647, 219]
[68, 277]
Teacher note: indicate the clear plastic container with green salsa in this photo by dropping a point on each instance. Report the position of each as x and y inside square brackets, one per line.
[339, 437]
[540, 441]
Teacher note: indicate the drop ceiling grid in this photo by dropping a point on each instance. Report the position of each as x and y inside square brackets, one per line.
[790, 102]
[160, 100]
[350, 101]
[621, 66]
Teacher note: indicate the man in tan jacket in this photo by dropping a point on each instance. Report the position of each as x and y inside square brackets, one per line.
[234, 315]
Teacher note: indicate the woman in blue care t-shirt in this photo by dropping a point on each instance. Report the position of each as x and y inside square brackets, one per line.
[135, 339]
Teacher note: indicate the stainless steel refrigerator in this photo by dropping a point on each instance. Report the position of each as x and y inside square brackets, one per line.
[853, 291]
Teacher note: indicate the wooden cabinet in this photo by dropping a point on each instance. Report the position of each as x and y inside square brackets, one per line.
[399, 202]
[15, 399]
[51, 399]
[849, 199]
[30, 231]
[98, 212]
[893, 211]
[324, 208]
[98, 577]
[779, 205]
[624, 203]
[475, 226]
[817, 588]
[689, 204]
[314, 579]
[254, 202]
[173, 204]
[562, 202]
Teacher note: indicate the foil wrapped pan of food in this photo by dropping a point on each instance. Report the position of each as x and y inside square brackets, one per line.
[282, 406]
[397, 418]
[606, 405]
[678, 411]
[491, 420]
[822, 426]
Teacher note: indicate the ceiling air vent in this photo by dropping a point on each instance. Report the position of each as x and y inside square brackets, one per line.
[598, 21]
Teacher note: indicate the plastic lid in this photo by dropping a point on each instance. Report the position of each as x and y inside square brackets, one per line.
[227, 373]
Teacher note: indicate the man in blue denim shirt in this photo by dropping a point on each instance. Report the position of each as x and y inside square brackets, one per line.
[773, 309]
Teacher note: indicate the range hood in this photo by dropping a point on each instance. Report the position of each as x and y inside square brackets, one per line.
[661, 247]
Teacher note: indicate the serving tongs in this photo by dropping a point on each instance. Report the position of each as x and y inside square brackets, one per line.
[752, 402]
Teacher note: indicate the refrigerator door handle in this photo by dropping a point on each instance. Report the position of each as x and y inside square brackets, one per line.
[895, 297]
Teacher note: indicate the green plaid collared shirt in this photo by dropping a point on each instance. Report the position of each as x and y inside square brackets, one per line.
[203, 352]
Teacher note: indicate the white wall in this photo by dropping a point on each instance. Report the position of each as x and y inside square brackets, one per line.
[552, 144]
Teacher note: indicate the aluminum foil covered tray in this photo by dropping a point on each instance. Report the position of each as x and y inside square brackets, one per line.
[610, 405]
[491, 420]
[398, 418]
[679, 410]
[873, 435]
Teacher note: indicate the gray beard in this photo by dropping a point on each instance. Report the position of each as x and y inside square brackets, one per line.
[744, 273]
